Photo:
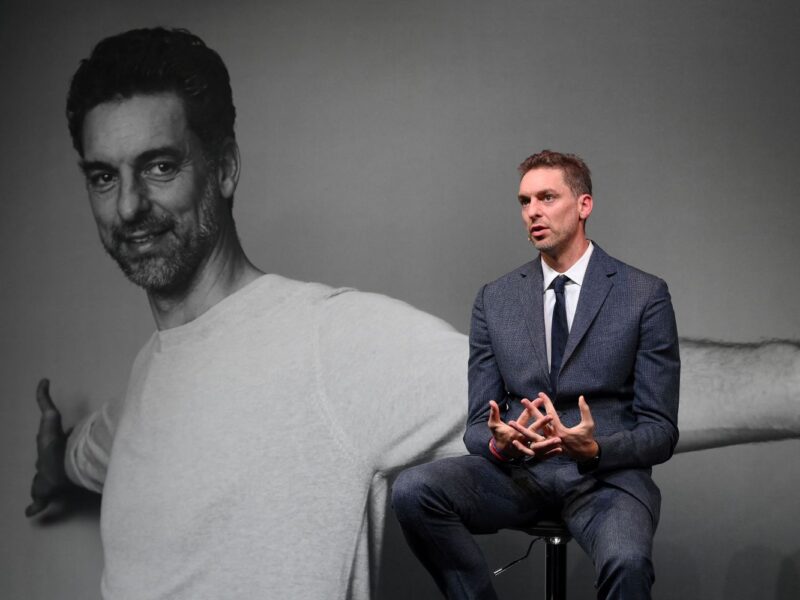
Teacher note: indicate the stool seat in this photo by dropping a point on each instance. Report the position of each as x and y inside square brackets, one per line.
[548, 528]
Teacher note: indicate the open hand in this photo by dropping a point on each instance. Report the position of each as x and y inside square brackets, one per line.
[51, 442]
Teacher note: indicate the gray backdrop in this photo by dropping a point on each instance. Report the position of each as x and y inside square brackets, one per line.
[380, 141]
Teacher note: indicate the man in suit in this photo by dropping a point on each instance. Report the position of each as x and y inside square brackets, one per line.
[593, 342]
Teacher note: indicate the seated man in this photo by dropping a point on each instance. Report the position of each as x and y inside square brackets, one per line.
[573, 397]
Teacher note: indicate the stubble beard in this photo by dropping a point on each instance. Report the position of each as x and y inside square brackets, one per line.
[557, 242]
[549, 245]
[175, 264]
[543, 245]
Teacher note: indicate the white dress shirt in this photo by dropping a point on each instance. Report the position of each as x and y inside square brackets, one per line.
[572, 290]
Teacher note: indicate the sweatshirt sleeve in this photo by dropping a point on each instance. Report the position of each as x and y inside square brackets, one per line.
[89, 448]
[394, 378]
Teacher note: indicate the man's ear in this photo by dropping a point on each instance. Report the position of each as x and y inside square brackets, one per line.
[585, 204]
[228, 167]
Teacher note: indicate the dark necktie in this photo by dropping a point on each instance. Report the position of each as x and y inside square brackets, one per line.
[558, 331]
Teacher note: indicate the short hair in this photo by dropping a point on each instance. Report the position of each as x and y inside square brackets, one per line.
[576, 174]
[155, 61]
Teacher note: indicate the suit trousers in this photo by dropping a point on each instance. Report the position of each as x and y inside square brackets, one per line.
[441, 504]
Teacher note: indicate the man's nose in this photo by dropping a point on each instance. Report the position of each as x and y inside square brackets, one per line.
[132, 200]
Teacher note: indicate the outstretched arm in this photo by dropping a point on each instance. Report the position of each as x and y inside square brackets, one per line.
[738, 393]
[393, 380]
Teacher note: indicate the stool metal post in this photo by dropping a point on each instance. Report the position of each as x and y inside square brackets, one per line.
[556, 536]
[556, 568]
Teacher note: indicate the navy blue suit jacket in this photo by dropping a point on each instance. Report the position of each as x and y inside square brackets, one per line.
[621, 355]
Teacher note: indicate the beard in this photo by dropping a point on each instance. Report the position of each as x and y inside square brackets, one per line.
[547, 245]
[557, 240]
[171, 266]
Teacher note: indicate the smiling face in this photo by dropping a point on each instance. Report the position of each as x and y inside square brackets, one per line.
[554, 216]
[155, 199]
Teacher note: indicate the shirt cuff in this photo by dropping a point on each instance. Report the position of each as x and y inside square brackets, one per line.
[591, 464]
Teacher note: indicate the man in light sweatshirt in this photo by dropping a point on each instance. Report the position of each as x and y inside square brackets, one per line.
[250, 455]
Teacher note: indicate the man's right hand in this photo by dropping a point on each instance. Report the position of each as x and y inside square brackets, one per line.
[51, 443]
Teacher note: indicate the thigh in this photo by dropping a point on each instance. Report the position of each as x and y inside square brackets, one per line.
[610, 524]
[484, 496]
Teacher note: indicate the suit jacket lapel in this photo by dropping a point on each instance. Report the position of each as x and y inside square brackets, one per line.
[596, 285]
[532, 307]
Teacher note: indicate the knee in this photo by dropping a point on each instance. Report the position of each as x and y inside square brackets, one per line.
[407, 491]
[442, 489]
[425, 490]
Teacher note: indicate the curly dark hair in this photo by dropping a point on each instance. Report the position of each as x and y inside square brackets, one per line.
[576, 174]
[154, 61]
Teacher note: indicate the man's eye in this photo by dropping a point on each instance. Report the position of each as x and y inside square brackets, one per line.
[161, 170]
[548, 198]
[523, 201]
[100, 181]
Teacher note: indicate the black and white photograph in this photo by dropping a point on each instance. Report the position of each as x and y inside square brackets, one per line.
[371, 300]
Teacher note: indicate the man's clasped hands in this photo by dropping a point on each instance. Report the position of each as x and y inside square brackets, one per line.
[539, 432]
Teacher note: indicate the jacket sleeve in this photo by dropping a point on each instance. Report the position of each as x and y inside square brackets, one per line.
[655, 391]
[484, 382]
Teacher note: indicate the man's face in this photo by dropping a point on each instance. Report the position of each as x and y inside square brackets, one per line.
[153, 195]
[552, 212]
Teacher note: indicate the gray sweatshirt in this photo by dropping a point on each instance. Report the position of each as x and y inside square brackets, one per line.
[250, 455]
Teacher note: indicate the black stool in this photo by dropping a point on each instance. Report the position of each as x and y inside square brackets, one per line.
[555, 535]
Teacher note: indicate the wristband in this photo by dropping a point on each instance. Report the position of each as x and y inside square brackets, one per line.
[496, 452]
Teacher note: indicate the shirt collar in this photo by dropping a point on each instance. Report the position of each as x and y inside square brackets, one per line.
[576, 272]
